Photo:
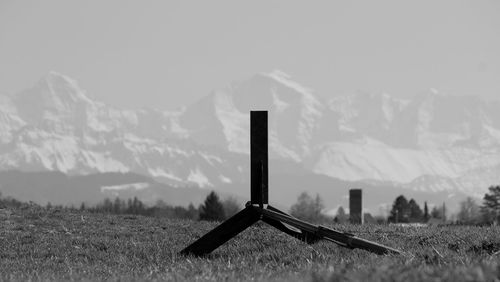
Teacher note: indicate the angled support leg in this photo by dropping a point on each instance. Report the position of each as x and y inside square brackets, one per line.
[223, 233]
[341, 238]
[301, 234]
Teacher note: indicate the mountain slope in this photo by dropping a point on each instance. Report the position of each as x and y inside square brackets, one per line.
[55, 126]
[433, 143]
[61, 189]
[365, 137]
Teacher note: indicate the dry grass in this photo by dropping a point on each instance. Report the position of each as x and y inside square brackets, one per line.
[40, 244]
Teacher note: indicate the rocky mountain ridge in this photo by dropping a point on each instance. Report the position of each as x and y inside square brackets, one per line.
[433, 142]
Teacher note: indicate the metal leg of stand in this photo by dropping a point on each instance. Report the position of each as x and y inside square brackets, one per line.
[223, 233]
[300, 234]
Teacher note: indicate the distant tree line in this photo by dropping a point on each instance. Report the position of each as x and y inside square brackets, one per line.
[404, 211]
[470, 212]
[306, 208]
[212, 209]
[137, 207]
[9, 202]
[310, 209]
[488, 213]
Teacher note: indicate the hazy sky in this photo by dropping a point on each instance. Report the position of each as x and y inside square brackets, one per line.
[169, 53]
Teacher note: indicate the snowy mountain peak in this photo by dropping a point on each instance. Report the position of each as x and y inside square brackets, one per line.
[435, 94]
[279, 74]
[294, 113]
[286, 80]
[54, 76]
[360, 137]
[56, 102]
[63, 87]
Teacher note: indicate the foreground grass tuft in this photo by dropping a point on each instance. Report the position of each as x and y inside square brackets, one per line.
[42, 244]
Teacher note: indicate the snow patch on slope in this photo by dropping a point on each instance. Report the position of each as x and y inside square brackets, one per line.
[196, 176]
[286, 80]
[236, 125]
[225, 179]
[160, 172]
[132, 186]
[376, 161]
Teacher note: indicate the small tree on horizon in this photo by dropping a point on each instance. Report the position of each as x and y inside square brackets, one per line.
[491, 205]
[439, 212]
[426, 212]
[469, 212]
[400, 211]
[341, 216]
[231, 206]
[416, 214]
[444, 211]
[192, 212]
[307, 208]
[212, 209]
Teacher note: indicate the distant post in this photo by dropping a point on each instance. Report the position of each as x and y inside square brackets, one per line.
[356, 206]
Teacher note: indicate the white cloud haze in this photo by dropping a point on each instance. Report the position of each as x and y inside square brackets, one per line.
[170, 53]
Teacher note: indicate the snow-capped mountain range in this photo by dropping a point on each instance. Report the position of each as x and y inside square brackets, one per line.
[433, 142]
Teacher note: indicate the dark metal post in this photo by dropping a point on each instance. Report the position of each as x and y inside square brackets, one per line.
[356, 206]
[258, 158]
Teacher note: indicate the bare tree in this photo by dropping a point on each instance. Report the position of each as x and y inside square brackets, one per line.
[308, 209]
[341, 216]
[469, 212]
[231, 206]
[491, 205]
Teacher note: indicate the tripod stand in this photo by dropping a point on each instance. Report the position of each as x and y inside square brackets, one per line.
[258, 209]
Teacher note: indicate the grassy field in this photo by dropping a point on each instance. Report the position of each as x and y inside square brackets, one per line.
[40, 244]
